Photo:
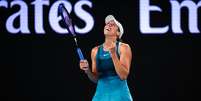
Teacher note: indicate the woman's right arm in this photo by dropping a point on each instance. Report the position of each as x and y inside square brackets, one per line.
[92, 74]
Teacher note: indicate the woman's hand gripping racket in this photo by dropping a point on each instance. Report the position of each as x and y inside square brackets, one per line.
[70, 27]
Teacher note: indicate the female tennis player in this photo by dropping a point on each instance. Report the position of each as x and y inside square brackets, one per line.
[110, 65]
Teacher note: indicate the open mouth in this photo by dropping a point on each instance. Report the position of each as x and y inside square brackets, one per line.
[108, 29]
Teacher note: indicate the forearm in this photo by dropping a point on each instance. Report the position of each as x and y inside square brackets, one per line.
[121, 70]
[91, 76]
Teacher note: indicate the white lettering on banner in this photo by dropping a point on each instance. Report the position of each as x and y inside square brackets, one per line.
[146, 8]
[38, 4]
[23, 13]
[3, 4]
[144, 16]
[53, 16]
[85, 16]
[193, 16]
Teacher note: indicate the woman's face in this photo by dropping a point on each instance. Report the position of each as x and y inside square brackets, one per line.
[111, 28]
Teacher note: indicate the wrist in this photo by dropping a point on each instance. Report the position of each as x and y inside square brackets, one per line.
[113, 54]
[87, 71]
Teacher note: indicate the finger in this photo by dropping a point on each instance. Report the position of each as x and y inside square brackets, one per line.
[81, 61]
[83, 65]
[85, 61]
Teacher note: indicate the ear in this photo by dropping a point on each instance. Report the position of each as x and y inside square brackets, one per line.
[118, 33]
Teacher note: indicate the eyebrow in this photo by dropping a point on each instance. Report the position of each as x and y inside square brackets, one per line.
[110, 22]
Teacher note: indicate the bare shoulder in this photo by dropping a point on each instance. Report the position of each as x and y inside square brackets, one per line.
[94, 51]
[125, 49]
[125, 46]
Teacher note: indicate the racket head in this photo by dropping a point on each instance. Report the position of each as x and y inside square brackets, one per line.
[66, 18]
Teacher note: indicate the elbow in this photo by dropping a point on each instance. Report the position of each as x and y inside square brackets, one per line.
[124, 77]
[123, 74]
[95, 80]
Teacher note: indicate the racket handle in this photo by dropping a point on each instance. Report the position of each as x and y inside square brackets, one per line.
[80, 54]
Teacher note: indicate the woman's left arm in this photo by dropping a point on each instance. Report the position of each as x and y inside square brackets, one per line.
[122, 65]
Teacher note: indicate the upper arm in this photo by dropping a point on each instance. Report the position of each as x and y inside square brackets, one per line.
[125, 55]
[93, 59]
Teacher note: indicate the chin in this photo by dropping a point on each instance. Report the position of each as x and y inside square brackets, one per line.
[105, 33]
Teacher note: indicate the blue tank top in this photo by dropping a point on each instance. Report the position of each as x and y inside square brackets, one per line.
[104, 63]
[109, 86]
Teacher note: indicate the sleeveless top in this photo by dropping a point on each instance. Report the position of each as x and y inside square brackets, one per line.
[109, 86]
[104, 62]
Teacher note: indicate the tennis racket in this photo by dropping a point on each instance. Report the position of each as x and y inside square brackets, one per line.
[70, 27]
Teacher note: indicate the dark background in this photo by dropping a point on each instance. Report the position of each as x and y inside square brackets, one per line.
[45, 67]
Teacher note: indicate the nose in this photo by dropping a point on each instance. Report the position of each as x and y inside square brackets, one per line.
[109, 24]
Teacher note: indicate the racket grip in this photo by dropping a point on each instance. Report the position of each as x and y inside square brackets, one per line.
[80, 54]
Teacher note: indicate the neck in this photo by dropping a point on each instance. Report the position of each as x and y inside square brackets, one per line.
[109, 40]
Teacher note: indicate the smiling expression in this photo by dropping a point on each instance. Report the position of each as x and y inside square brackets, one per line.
[111, 28]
